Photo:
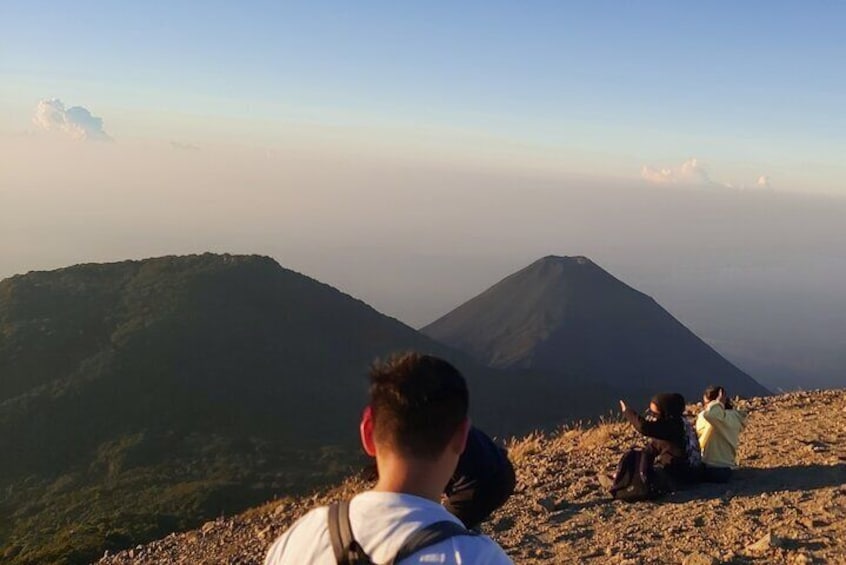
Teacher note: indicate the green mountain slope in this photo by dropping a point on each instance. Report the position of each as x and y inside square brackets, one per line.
[143, 396]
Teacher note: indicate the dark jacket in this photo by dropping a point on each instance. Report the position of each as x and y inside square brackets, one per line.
[483, 480]
[483, 461]
[667, 434]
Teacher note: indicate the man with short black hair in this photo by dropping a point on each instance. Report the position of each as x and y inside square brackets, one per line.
[416, 427]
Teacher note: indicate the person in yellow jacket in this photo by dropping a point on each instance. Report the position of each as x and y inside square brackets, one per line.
[718, 427]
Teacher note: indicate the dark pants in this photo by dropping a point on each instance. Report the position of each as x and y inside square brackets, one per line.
[473, 501]
[716, 474]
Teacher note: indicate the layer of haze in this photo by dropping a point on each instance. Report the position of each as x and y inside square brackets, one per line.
[758, 273]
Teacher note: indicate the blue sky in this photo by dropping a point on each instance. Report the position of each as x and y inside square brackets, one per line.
[750, 88]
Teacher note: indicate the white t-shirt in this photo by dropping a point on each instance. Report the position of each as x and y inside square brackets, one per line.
[381, 521]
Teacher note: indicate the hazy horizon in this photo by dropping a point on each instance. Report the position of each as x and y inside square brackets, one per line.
[758, 273]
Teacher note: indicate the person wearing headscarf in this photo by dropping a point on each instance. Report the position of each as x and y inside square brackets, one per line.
[719, 426]
[665, 427]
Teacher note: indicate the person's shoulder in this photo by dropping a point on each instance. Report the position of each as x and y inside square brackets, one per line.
[314, 519]
[738, 414]
[477, 441]
[482, 549]
[462, 550]
[306, 539]
[712, 408]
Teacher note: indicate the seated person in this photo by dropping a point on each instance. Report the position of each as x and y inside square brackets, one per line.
[482, 482]
[416, 427]
[718, 427]
[667, 449]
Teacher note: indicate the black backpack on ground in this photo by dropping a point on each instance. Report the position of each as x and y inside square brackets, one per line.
[348, 551]
[634, 479]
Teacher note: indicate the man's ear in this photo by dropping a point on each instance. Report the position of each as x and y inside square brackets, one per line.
[459, 441]
[366, 431]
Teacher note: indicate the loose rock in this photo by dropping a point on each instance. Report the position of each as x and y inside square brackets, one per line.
[699, 559]
[765, 543]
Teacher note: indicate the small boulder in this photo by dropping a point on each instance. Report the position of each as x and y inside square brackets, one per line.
[765, 543]
[699, 559]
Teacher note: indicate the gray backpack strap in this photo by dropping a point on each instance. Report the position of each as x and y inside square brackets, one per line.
[335, 535]
[430, 535]
[347, 551]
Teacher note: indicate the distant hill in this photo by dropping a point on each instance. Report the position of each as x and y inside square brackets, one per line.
[566, 314]
[143, 397]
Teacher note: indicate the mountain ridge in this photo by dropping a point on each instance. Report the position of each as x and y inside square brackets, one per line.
[567, 314]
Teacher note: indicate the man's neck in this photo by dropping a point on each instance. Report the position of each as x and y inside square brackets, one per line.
[423, 479]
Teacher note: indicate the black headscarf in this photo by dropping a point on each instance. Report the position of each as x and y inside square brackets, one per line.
[670, 404]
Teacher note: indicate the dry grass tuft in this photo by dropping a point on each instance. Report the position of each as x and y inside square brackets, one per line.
[597, 436]
[568, 437]
[520, 449]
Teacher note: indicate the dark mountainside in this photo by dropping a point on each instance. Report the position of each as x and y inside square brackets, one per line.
[144, 397]
[567, 314]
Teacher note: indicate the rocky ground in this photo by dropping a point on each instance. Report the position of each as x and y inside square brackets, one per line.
[787, 504]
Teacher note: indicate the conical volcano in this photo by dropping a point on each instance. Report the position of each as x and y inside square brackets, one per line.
[568, 315]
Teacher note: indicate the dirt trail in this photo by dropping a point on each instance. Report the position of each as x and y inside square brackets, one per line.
[787, 504]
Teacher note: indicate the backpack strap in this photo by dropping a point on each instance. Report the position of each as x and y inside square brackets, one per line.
[430, 535]
[346, 549]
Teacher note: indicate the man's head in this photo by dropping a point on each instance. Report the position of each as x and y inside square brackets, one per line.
[418, 408]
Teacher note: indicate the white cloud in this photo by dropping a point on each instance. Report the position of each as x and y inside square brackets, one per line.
[693, 173]
[658, 176]
[76, 122]
[689, 172]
